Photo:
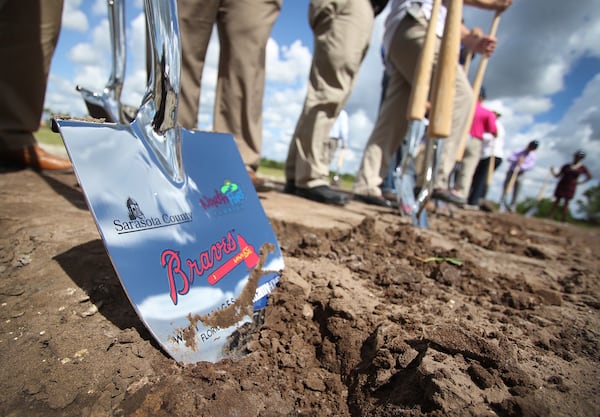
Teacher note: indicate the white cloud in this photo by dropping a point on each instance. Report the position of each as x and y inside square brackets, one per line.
[73, 18]
[540, 41]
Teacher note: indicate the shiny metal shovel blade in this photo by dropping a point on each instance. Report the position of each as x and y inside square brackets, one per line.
[181, 249]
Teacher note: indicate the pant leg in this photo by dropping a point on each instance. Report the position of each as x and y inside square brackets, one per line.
[196, 20]
[332, 146]
[391, 125]
[342, 32]
[468, 166]
[29, 31]
[516, 191]
[244, 29]
[478, 185]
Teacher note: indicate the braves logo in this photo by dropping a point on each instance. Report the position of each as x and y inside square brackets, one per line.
[185, 271]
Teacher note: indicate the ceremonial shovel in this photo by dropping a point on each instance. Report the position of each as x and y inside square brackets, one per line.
[405, 181]
[440, 120]
[177, 212]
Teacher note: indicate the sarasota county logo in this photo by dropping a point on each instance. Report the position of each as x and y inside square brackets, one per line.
[228, 198]
[136, 220]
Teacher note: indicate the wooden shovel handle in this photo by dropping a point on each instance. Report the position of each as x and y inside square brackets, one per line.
[512, 180]
[477, 82]
[491, 165]
[440, 121]
[422, 77]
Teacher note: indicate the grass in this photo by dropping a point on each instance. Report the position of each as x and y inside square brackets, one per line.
[46, 136]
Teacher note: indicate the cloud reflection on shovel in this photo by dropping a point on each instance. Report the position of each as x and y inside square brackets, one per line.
[173, 206]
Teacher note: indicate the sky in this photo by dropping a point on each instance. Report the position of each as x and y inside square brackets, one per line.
[544, 78]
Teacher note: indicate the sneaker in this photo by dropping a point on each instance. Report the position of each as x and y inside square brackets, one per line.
[323, 194]
[289, 187]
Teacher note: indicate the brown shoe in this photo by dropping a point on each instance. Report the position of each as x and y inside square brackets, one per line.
[260, 185]
[36, 158]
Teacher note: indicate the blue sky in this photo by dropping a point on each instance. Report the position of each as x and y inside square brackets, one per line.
[544, 77]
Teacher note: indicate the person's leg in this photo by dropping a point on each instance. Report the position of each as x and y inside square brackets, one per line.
[244, 29]
[565, 209]
[478, 186]
[516, 191]
[342, 31]
[469, 163]
[553, 208]
[29, 31]
[196, 20]
[390, 129]
[332, 146]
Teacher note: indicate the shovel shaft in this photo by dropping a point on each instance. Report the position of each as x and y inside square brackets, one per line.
[491, 165]
[422, 78]
[477, 82]
[116, 22]
[445, 77]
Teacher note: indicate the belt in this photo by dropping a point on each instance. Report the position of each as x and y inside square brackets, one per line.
[378, 6]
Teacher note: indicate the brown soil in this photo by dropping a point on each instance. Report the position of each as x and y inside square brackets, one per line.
[372, 317]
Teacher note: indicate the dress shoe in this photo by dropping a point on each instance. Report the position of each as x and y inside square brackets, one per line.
[289, 187]
[448, 197]
[260, 185]
[36, 158]
[323, 194]
[373, 200]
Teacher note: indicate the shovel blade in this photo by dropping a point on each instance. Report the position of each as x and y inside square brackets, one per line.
[181, 249]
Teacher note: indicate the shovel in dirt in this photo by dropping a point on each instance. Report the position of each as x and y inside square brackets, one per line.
[440, 120]
[405, 179]
[177, 212]
[107, 105]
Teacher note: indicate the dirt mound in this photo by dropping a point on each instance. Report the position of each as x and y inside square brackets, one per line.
[482, 314]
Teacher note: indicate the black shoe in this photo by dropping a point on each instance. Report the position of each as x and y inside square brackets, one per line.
[373, 200]
[323, 194]
[289, 187]
[448, 197]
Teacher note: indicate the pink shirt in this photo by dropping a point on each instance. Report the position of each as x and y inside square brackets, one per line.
[484, 121]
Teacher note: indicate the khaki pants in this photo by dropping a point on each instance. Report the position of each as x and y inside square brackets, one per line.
[342, 32]
[244, 27]
[391, 125]
[468, 165]
[29, 32]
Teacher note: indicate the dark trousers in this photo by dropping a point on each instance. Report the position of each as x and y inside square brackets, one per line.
[479, 186]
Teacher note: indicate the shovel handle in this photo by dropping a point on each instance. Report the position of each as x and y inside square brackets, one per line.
[422, 78]
[491, 164]
[164, 82]
[340, 160]
[445, 74]
[477, 82]
[116, 23]
[512, 180]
